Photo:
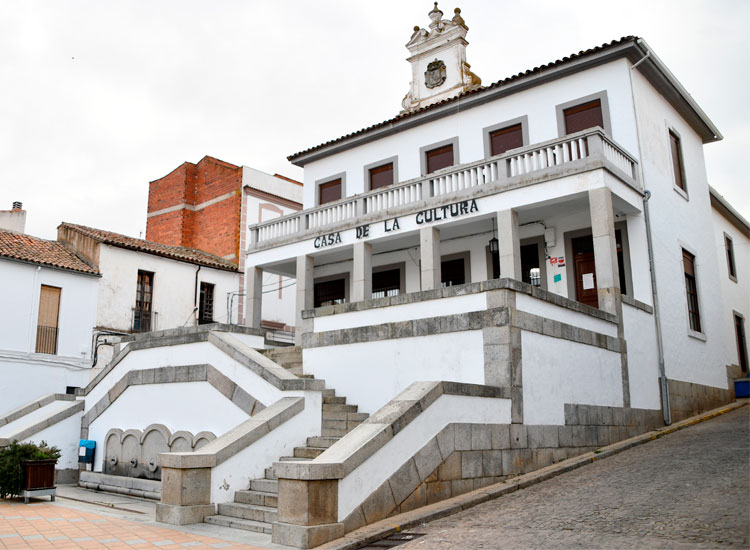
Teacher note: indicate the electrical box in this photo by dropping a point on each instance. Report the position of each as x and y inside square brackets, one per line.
[549, 237]
[86, 450]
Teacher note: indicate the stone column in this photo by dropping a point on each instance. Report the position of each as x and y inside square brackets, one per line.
[429, 253]
[362, 276]
[509, 244]
[605, 249]
[253, 296]
[305, 296]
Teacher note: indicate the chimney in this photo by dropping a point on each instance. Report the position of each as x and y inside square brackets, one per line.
[14, 220]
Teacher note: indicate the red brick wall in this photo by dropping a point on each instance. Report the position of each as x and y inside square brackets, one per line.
[214, 228]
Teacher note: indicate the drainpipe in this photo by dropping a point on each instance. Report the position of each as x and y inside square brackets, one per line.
[666, 410]
[195, 295]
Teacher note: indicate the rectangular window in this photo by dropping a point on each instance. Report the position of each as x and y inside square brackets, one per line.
[381, 176]
[206, 304]
[452, 272]
[506, 139]
[691, 289]
[582, 117]
[49, 312]
[329, 191]
[730, 257]
[144, 294]
[386, 283]
[331, 292]
[677, 166]
[439, 158]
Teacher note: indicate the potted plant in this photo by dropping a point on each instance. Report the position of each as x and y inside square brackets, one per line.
[27, 467]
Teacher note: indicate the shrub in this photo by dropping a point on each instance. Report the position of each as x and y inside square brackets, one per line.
[12, 458]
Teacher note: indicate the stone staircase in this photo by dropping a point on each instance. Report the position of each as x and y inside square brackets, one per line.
[255, 509]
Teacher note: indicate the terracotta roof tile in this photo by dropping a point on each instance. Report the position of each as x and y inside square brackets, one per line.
[26, 248]
[191, 255]
[523, 74]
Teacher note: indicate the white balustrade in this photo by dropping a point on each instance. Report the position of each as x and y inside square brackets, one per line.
[393, 197]
[547, 156]
[619, 159]
[337, 212]
[466, 177]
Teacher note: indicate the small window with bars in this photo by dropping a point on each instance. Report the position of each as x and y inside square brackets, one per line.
[691, 290]
[328, 293]
[386, 283]
[206, 304]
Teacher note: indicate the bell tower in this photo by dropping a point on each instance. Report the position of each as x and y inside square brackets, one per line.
[438, 61]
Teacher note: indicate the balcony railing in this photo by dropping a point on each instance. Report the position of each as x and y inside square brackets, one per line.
[46, 339]
[571, 154]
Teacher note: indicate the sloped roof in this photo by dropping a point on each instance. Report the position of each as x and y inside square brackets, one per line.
[190, 255]
[26, 248]
[635, 43]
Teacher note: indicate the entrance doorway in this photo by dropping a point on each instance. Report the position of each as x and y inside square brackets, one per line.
[585, 270]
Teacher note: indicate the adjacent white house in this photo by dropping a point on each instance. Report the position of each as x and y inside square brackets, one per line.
[48, 299]
[147, 286]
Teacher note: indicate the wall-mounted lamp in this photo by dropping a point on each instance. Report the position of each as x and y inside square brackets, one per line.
[494, 243]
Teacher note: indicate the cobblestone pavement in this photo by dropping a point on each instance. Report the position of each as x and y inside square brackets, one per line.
[689, 489]
[51, 525]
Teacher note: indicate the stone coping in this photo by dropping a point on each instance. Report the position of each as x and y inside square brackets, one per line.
[182, 331]
[461, 290]
[170, 375]
[23, 410]
[344, 456]
[637, 304]
[73, 408]
[272, 373]
[236, 439]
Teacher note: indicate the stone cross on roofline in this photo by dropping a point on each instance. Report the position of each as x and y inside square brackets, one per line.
[438, 60]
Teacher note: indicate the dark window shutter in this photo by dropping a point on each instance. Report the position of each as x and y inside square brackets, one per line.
[583, 117]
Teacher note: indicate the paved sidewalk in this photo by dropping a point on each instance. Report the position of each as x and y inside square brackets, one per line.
[687, 490]
[87, 519]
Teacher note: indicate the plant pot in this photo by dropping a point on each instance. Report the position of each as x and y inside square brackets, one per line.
[39, 474]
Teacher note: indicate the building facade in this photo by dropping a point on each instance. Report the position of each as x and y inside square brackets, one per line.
[209, 205]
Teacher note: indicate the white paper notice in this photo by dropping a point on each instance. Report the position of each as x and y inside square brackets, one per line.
[588, 281]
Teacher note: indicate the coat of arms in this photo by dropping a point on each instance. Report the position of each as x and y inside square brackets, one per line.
[434, 76]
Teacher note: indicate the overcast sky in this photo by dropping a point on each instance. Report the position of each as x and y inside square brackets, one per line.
[99, 98]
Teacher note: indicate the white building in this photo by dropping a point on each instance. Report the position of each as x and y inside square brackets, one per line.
[147, 286]
[48, 300]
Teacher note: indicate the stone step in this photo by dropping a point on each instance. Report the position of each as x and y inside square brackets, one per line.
[334, 400]
[258, 498]
[236, 523]
[328, 392]
[354, 417]
[252, 512]
[265, 485]
[333, 432]
[334, 424]
[337, 407]
[309, 376]
[323, 442]
[297, 371]
[293, 459]
[270, 473]
[308, 452]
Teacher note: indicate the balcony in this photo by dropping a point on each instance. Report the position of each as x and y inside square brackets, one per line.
[573, 154]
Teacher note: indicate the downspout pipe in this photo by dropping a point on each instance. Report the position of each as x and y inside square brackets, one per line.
[663, 384]
[195, 293]
[665, 407]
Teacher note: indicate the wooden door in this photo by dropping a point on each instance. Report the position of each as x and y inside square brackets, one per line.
[49, 311]
[585, 271]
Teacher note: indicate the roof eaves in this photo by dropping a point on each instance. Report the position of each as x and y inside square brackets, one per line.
[727, 210]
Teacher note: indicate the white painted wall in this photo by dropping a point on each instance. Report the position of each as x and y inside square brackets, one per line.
[735, 294]
[405, 312]
[679, 223]
[372, 373]
[527, 303]
[24, 374]
[643, 358]
[174, 289]
[557, 371]
[537, 103]
[447, 409]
